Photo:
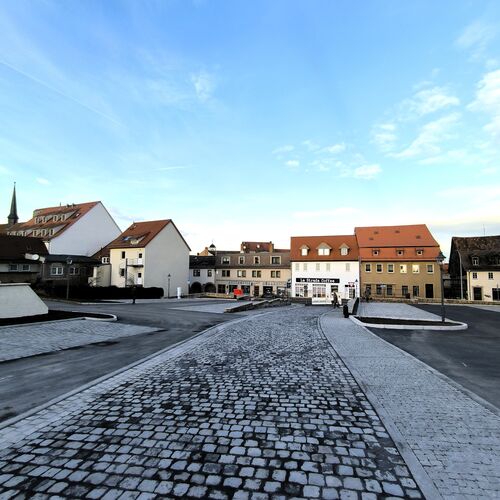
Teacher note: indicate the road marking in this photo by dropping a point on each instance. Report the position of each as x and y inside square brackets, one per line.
[5, 378]
[464, 364]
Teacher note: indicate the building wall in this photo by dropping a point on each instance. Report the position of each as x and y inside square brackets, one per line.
[101, 275]
[167, 254]
[397, 279]
[203, 278]
[132, 273]
[19, 300]
[341, 277]
[91, 232]
[265, 279]
[31, 276]
[484, 282]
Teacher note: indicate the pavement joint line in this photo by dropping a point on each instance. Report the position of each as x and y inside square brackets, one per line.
[478, 399]
[425, 483]
[112, 318]
[180, 348]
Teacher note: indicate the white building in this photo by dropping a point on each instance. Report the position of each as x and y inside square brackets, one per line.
[150, 254]
[76, 229]
[323, 266]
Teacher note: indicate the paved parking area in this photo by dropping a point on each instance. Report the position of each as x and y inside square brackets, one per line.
[29, 340]
[264, 408]
[393, 310]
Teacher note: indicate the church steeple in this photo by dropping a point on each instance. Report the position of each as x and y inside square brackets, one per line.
[13, 218]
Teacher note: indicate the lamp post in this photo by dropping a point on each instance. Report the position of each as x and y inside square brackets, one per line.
[168, 286]
[440, 260]
[69, 261]
[461, 281]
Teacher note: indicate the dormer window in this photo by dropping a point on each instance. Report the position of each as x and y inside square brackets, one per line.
[304, 250]
[344, 250]
[324, 249]
[475, 261]
[241, 259]
[420, 251]
[375, 252]
[400, 252]
[256, 260]
[226, 260]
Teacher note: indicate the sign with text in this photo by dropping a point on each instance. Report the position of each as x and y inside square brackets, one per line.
[317, 280]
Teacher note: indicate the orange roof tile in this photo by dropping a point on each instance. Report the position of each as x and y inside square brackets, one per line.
[335, 242]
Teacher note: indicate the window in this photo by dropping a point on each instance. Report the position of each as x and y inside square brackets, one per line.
[474, 276]
[379, 290]
[344, 251]
[139, 256]
[490, 276]
[297, 266]
[209, 273]
[256, 260]
[256, 274]
[26, 267]
[327, 266]
[379, 268]
[347, 266]
[368, 268]
[122, 273]
[399, 252]
[390, 268]
[368, 289]
[375, 252]
[304, 266]
[389, 289]
[196, 272]
[123, 255]
[139, 275]
[323, 251]
[304, 250]
[226, 260]
[404, 290]
[403, 269]
[13, 267]
[318, 266]
[241, 259]
[226, 273]
[430, 268]
[415, 268]
[275, 274]
[420, 251]
[241, 273]
[276, 260]
[416, 291]
[56, 270]
[475, 261]
[74, 270]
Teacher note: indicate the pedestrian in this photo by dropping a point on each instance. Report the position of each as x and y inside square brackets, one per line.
[335, 301]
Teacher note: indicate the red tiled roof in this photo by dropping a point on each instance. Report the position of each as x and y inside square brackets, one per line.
[74, 212]
[313, 242]
[390, 241]
[257, 246]
[139, 234]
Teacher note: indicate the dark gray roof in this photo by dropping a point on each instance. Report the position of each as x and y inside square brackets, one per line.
[485, 248]
[201, 261]
[76, 259]
[14, 247]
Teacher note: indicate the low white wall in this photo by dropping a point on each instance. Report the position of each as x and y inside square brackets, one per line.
[18, 300]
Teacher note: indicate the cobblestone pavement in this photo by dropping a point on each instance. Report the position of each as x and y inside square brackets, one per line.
[455, 439]
[263, 409]
[393, 310]
[29, 340]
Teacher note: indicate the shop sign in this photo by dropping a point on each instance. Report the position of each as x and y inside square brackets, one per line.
[317, 280]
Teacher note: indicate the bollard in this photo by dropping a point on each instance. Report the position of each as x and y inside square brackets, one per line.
[345, 310]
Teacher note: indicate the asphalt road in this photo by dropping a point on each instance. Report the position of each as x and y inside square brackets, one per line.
[470, 357]
[29, 382]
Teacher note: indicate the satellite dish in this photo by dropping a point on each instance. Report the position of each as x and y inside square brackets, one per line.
[31, 256]
[35, 256]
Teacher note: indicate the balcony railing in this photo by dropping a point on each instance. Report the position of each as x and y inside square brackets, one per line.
[135, 262]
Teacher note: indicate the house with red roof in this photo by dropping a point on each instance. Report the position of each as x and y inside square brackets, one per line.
[398, 261]
[150, 254]
[324, 266]
[72, 229]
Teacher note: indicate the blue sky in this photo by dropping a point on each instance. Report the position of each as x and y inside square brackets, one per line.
[255, 120]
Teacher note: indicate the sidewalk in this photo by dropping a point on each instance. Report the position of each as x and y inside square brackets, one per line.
[452, 436]
[260, 408]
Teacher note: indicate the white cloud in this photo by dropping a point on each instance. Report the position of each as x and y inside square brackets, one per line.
[488, 101]
[432, 134]
[384, 136]
[283, 149]
[476, 37]
[428, 101]
[292, 163]
[204, 85]
[334, 149]
[42, 181]
[367, 171]
[310, 145]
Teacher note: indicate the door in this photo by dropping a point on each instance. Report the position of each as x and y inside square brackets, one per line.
[478, 293]
[256, 290]
[495, 292]
[429, 291]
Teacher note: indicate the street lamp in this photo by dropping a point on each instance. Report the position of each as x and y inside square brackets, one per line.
[168, 286]
[440, 260]
[69, 261]
[461, 280]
